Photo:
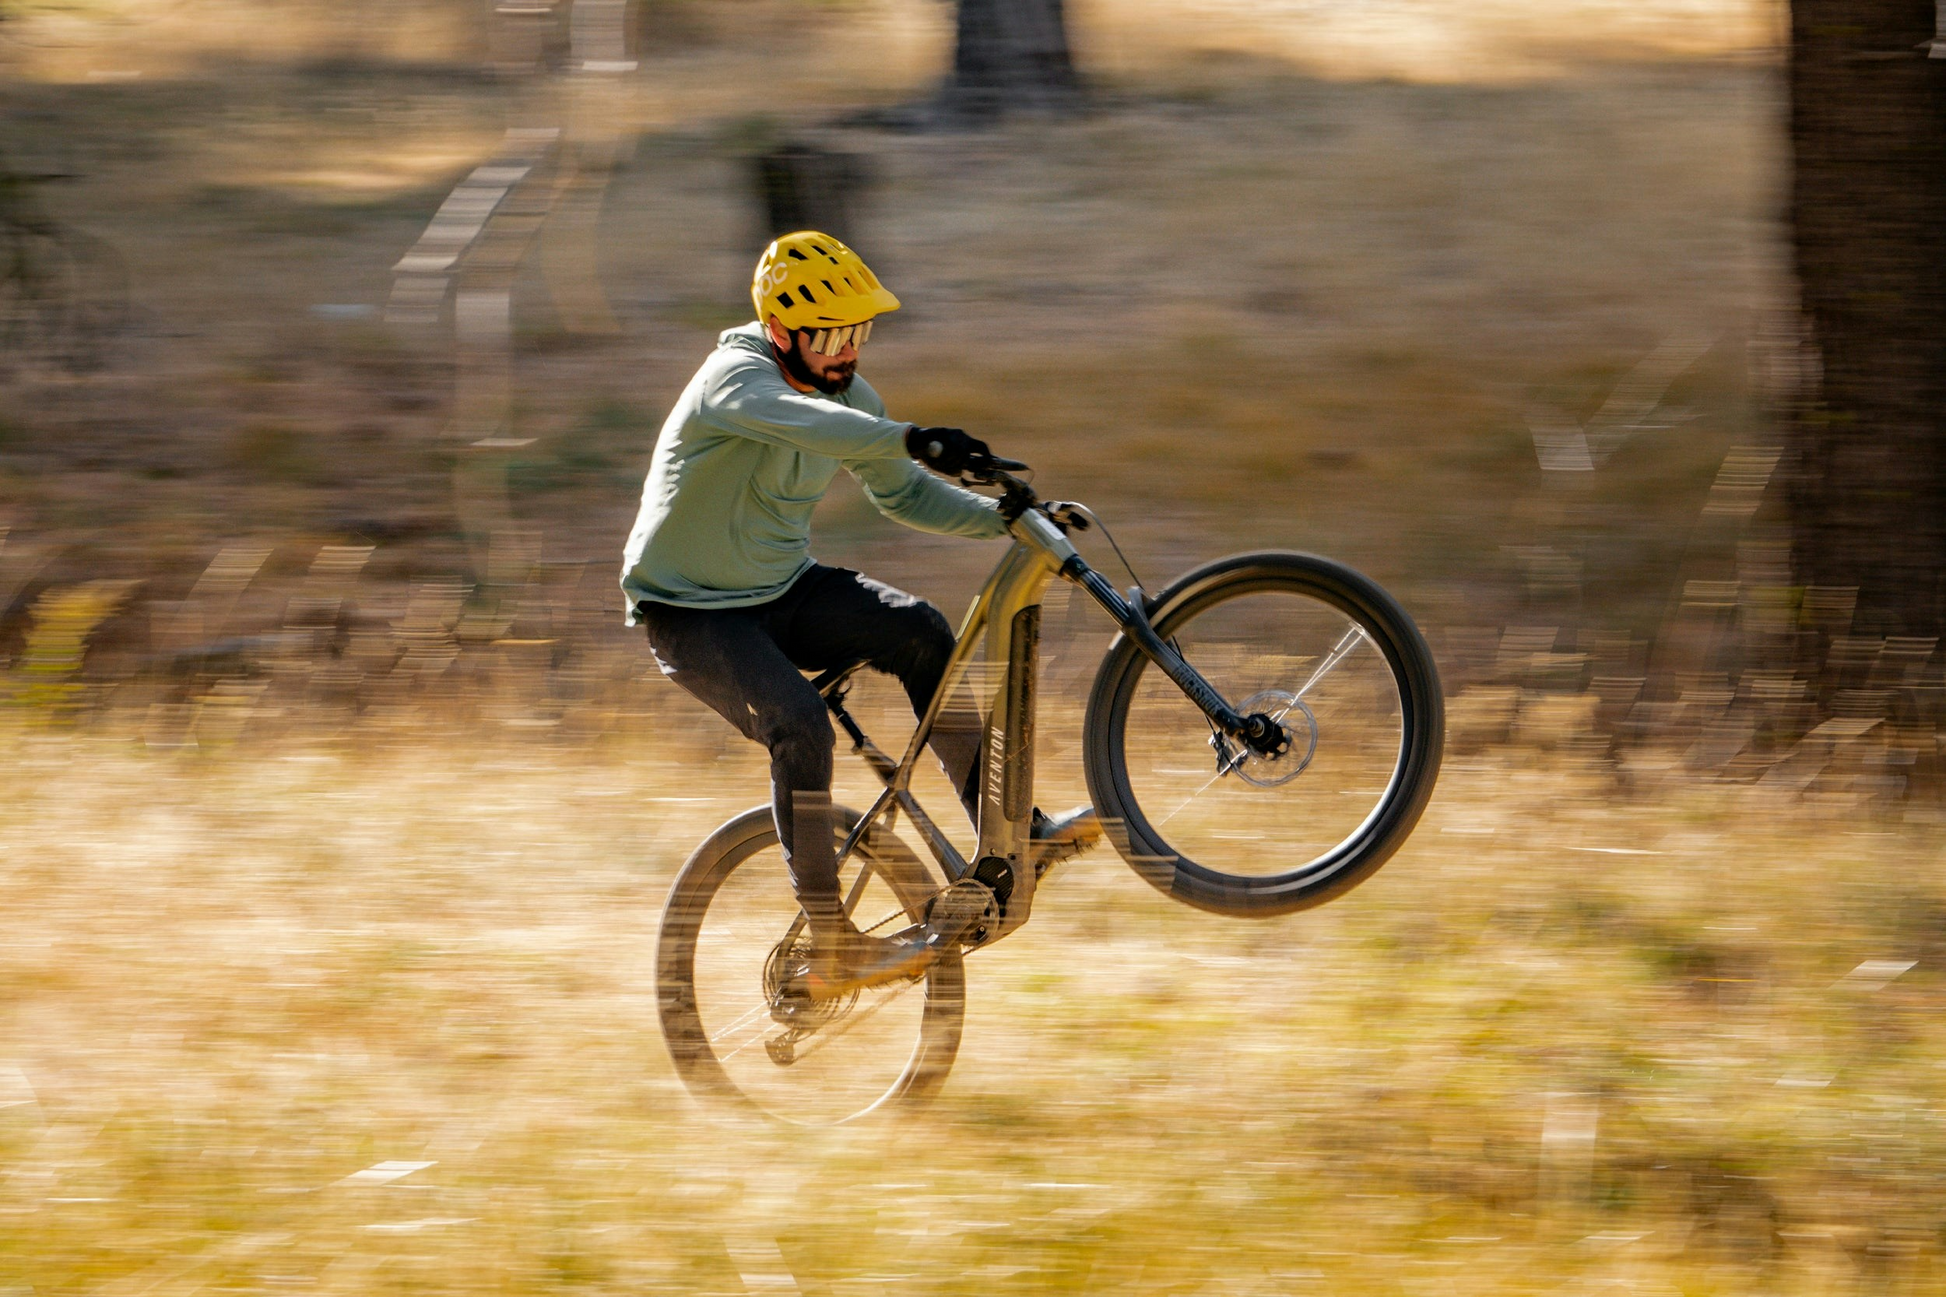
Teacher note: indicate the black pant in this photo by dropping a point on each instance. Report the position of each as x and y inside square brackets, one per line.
[745, 664]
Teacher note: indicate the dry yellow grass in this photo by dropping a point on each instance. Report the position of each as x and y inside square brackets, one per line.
[1564, 1041]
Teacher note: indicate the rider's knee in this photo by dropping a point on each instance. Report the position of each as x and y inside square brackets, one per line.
[925, 643]
[802, 740]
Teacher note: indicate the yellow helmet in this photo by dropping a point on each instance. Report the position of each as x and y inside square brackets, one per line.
[811, 281]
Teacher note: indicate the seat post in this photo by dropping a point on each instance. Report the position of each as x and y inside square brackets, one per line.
[834, 685]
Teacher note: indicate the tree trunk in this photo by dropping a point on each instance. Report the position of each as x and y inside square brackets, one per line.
[1868, 491]
[1010, 54]
[804, 187]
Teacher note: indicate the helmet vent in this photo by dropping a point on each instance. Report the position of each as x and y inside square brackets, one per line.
[834, 290]
[798, 255]
[784, 300]
[806, 293]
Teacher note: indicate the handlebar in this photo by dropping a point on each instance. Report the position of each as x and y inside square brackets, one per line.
[1017, 496]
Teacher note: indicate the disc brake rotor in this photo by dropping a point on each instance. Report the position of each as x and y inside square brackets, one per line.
[1268, 770]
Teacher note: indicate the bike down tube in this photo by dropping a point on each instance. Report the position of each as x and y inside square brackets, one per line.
[899, 778]
[1009, 638]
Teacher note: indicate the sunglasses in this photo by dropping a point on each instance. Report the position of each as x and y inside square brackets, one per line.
[829, 342]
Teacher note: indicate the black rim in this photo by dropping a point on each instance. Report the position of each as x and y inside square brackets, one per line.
[1353, 859]
[696, 887]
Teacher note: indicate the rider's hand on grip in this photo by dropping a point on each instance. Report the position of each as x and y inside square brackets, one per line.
[946, 450]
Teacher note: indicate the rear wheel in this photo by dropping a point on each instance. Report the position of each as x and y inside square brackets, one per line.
[1333, 659]
[731, 927]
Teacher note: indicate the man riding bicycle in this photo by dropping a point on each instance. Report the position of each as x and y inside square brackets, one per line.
[718, 568]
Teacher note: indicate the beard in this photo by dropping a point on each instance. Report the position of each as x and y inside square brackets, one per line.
[833, 382]
[837, 382]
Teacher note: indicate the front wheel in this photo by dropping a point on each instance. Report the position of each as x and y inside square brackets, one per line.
[1331, 657]
[733, 1030]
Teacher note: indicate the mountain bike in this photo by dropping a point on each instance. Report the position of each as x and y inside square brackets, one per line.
[1260, 737]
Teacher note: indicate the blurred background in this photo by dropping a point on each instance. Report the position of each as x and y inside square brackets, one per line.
[334, 339]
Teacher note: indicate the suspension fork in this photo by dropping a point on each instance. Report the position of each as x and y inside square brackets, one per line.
[1257, 730]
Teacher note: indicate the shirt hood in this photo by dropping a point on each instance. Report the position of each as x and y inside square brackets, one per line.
[747, 337]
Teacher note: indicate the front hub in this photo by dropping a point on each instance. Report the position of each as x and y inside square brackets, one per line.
[1285, 741]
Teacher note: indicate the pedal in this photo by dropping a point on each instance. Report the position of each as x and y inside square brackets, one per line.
[962, 915]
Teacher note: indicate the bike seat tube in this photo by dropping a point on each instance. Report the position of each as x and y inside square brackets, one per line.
[1010, 636]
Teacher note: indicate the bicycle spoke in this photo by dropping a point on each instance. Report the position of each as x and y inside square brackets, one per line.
[1242, 752]
[737, 1023]
[742, 1022]
[1350, 640]
[1198, 793]
[761, 1011]
[819, 1036]
[1236, 759]
[1241, 755]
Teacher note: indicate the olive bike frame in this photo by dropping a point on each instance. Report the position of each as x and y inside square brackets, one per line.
[1004, 619]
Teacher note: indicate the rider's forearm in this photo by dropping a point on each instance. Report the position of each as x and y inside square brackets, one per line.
[906, 493]
[770, 411]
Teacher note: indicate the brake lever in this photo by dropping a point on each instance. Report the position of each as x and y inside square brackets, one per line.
[1016, 496]
[1066, 514]
[992, 470]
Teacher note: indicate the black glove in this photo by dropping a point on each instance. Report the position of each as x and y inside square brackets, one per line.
[946, 450]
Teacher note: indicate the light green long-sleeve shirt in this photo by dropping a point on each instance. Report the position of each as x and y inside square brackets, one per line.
[742, 461]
